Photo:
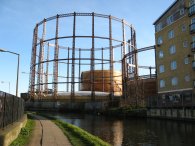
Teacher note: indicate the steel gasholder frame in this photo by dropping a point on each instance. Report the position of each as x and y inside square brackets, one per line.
[39, 86]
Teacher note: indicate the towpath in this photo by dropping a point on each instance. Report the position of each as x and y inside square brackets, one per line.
[46, 133]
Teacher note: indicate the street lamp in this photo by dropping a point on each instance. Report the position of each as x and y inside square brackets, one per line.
[2, 50]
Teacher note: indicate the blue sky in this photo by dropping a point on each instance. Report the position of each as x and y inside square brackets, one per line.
[18, 19]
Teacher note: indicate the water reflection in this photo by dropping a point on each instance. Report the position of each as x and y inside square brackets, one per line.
[135, 132]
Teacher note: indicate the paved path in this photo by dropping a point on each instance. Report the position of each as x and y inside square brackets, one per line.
[46, 133]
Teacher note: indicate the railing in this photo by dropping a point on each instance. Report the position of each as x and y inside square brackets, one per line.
[192, 28]
[11, 109]
[191, 10]
[170, 102]
[150, 76]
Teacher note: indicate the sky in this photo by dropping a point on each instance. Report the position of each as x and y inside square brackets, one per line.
[19, 17]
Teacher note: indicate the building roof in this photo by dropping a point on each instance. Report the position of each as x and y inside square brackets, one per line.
[165, 11]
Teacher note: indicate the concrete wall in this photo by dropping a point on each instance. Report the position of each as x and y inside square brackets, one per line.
[11, 132]
[67, 106]
[180, 114]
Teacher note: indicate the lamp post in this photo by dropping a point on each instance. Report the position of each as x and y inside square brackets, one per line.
[2, 50]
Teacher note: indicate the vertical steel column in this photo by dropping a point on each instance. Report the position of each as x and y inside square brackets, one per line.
[67, 79]
[135, 48]
[111, 58]
[79, 69]
[92, 80]
[103, 69]
[124, 60]
[40, 71]
[73, 60]
[41, 59]
[47, 70]
[33, 62]
[55, 67]
[132, 49]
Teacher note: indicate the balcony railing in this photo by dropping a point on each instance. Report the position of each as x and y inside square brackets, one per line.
[192, 28]
[193, 46]
[191, 10]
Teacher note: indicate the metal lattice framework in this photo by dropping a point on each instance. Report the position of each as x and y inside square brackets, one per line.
[60, 55]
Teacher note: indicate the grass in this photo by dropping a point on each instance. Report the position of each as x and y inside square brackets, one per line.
[128, 111]
[78, 136]
[25, 134]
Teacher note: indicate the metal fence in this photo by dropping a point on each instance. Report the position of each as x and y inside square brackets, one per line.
[171, 101]
[11, 109]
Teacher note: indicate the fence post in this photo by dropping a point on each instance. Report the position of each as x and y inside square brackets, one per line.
[12, 109]
[4, 108]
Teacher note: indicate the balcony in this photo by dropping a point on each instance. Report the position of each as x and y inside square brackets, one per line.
[193, 46]
[191, 10]
[192, 28]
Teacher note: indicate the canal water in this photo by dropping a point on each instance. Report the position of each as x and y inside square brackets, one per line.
[135, 132]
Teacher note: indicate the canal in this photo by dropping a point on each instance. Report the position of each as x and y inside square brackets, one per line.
[135, 132]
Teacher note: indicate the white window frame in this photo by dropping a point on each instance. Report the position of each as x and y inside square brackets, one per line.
[174, 81]
[160, 54]
[192, 2]
[173, 65]
[185, 44]
[170, 20]
[186, 60]
[161, 68]
[193, 38]
[172, 49]
[183, 28]
[193, 20]
[162, 83]
[181, 11]
[187, 78]
[159, 27]
[159, 40]
[171, 34]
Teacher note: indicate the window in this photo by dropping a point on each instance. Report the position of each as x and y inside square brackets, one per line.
[186, 60]
[193, 20]
[160, 54]
[187, 78]
[172, 49]
[162, 83]
[159, 40]
[193, 65]
[170, 34]
[185, 44]
[192, 2]
[170, 20]
[193, 43]
[161, 68]
[183, 27]
[173, 65]
[159, 27]
[193, 38]
[174, 81]
[181, 11]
